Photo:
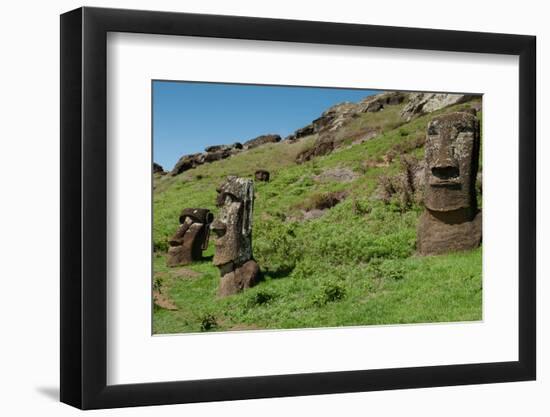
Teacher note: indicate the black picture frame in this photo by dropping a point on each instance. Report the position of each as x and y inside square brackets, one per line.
[84, 207]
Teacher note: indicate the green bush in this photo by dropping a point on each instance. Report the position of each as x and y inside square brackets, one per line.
[259, 299]
[208, 322]
[275, 245]
[160, 245]
[385, 269]
[330, 292]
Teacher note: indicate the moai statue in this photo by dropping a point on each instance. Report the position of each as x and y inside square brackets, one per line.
[451, 220]
[261, 175]
[233, 236]
[191, 238]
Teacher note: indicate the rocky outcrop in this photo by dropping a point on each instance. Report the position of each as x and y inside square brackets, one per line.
[377, 102]
[210, 154]
[422, 103]
[218, 152]
[218, 148]
[339, 115]
[324, 145]
[157, 169]
[186, 162]
[261, 140]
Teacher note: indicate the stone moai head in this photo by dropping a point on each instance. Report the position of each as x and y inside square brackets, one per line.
[452, 153]
[233, 227]
[191, 238]
[261, 175]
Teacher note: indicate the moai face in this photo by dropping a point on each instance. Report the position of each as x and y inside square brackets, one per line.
[233, 227]
[452, 152]
[191, 238]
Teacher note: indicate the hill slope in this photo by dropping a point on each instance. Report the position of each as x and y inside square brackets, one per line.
[332, 254]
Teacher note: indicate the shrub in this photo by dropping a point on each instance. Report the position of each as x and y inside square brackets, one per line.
[389, 269]
[275, 245]
[260, 298]
[160, 245]
[157, 284]
[208, 322]
[361, 207]
[323, 201]
[330, 292]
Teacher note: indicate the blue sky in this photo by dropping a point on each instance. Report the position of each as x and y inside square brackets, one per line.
[188, 116]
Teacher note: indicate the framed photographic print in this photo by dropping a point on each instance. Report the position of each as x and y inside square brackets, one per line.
[258, 207]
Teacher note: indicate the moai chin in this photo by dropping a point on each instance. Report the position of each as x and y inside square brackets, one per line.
[451, 220]
[233, 236]
[191, 238]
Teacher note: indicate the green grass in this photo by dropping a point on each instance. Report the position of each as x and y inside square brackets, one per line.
[356, 265]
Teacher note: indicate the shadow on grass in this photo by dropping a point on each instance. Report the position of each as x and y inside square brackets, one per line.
[277, 273]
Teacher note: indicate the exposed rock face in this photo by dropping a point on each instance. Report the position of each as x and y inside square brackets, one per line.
[157, 169]
[233, 230]
[191, 238]
[451, 220]
[187, 162]
[218, 152]
[261, 175]
[323, 146]
[261, 140]
[377, 102]
[210, 154]
[422, 103]
[336, 117]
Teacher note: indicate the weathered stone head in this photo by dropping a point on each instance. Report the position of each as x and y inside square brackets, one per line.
[191, 238]
[452, 153]
[261, 175]
[451, 221]
[233, 235]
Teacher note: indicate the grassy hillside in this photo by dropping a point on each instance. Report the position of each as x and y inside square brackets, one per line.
[355, 265]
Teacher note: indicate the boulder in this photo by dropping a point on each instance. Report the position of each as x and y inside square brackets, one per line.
[186, 162]
[323, 146]
[157, 169]
[261, 140]
[261, 175]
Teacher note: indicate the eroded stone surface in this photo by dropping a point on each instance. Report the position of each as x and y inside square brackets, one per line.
[191, 238]
[422, 103]
[443, 232]
[452, 155]
[233, 236]
[157, 168]
[451, 220]
[261, 140]
[243, 277]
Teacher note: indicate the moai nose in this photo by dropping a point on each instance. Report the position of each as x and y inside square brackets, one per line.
[218, 228]
[445, 166]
